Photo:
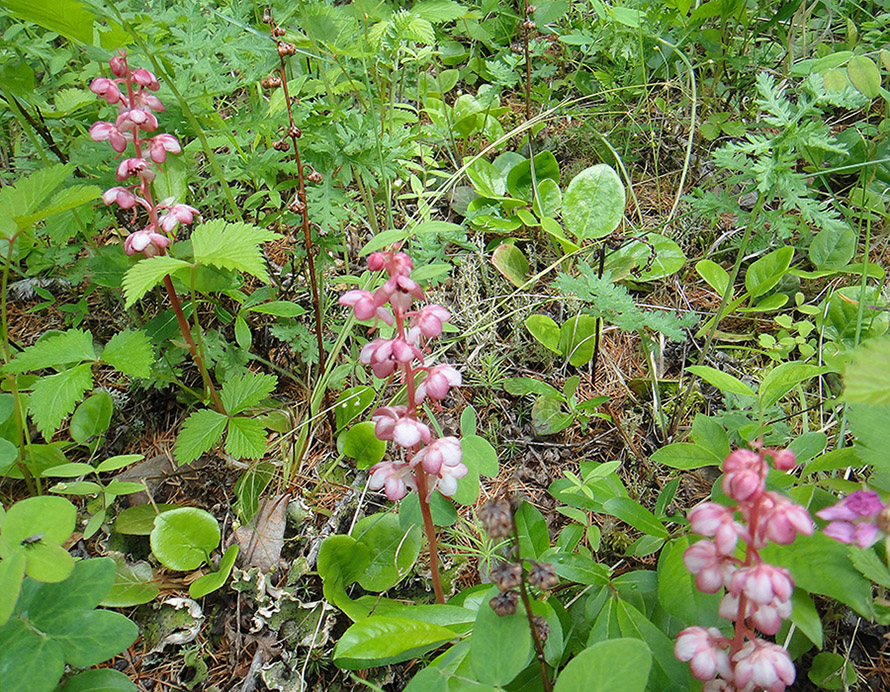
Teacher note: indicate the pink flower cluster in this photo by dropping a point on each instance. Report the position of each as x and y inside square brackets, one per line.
[136, 114]
[860, 518]
[758, 595]
[428, 463]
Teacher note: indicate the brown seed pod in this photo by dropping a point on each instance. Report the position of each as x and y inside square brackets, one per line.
[515, 48]
[294, 131]
[297, 206]
[541, 628]
[529, 24]
[281, 145]
[285, 48]
[505, 603]
[542, 576]
[273, 81]
[531, 9]
[267, 16]
[496, 518]
[279, 31]
[315, 177]
[506, 575]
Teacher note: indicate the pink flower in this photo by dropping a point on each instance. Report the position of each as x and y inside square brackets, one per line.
[118, 64]
[762, 583]
[178, 213]
[716, 521]
[705, 649]
[394, 423]
[444, 451]
[130, 167]
[384, 355]
[121, 196]
[398, 290]
[712, 569]
[852, 520]
[147, 242]
[160, 145]
[449, 474]
[743, 485]
[783, 459]
[146, 79]
[437, 383]
[428, 322]
[376, 261]
[145, 99]
[764, 665]
[101, 131]
[781, 520]
[767, 617]
[106, 88]
[362, 303]
[136, 118]
[741, 459]
[394, 478]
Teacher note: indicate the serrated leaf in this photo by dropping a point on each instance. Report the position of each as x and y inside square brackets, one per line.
[247, 390]
[439, 11]
[232, 246]
[129, 352]
[54, 397]
[148, 273]
[70, 18]
[201, 430]
[246, 438]
[72, 346]
[69, 198]
[24, 197]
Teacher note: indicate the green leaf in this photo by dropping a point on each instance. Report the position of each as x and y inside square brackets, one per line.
[232, 246]
[511, 263]
[534, 537]
[118, 462]
[708, 433]
[548, 201]
[545, 330]
[721, 380]
[438, 11]
[392, 550]
[130, 352]
[69, 18]
[766, 272]
[633, 513]
[55, 396]
[215, 580]
[245, 391]
[360, 443]
[519, 386]
[67, 199]
[183, 538]
[91, 418]
[133, 585]
[249, 488]
[74, 470]
[377, 641]
[685, 456]
[148, 273]
[139, 520]
[806, 617]
[12, 571]
[831, 671]
[677, 592]
[629, 662]
[72, 346]
[519, 179]
[384, 239]
[500, 646]
[88, 637]
[351, 402]
[869, 426]
[201, 430]
[20, 200]
[99, 680]
[341, 560]
[593, 205]
[714, 275]
[488, 180]
[28, 661]
[580, 568]
[867, 375]
[548, 417]
[81, 591]
[668, 674]
[783, 378]
[832, 248]
[864, 75]
[577, 337]
[246, 438]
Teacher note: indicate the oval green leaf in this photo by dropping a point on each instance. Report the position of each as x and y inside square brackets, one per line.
[593, 205]
[183, 538]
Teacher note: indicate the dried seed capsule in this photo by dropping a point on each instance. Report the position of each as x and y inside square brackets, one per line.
[281, 145]
[273, 81]
[541, 628]
[529, 24]
[496, 518]
[506, 575]
[315, 177]
[505, 603]
[294, 131]
[531, 9]
[279, 31]
[267, 15]
[542, 576]
[297, 206]
[515, 48]
[286, 48]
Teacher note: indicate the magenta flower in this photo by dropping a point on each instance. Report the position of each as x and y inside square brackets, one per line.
[178, 213]
[102, 131]
[428, 322]
[121, 196]
[146, 79]
[136, 118]
[364, 307]
[449, 474]
[716, 521]
[106, 89]
[762, 583]
[439, 380]
[711, 568]
[118, 64]
[147, 242]
[781, 521]
[144, 99]
[130, 167]
[854, 519]
[394, 423]
[161, 145]
[394, 479]
[385, 355]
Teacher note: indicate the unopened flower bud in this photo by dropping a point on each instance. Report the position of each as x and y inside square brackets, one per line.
[281, 145]
[542, 629]
[118, 65]
[496, 518]
[294, 131]
[531, 9]
[882, 521]
[297, 206]
[505, 603]
[542, 576]
[506, 575]
[515, 48]
[285, 48]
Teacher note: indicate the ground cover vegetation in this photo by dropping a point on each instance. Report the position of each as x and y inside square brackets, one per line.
[446, 345]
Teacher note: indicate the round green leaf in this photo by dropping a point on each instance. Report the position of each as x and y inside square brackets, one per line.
[864, 75]
[545, 330]
[100, 680]
[360, 443]
[48, 562]
[519, 179]
[593, 205]
[139, 520]
[134, 584]
[92, 417]
[629, 661]
[392, 550]
[511, 263]
[183, 538]
[8, 454]
[52, 518]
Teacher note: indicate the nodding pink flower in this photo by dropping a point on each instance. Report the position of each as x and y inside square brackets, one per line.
[762, 583]
[712, 569]
[118, 64]
[146, 79]
[145, 99]
[854, 519]
[783, 459]
[130, 167]
[121, 196]
[106, 88]
[705, 649]
[763, 665]
[444, 451]
[449, 475]
[394, 423]
[716, 521]
[376, 261]
[766, 617]
[744, 485]
[101, 131]
[178, 213]
[161, 145]
[781, 520]
[399, 291]
[363, 306]
[136, 118]
[428, 322]
[147, 242]
[384, 355]
[742, 460]
[394, 478]
[438, 381]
